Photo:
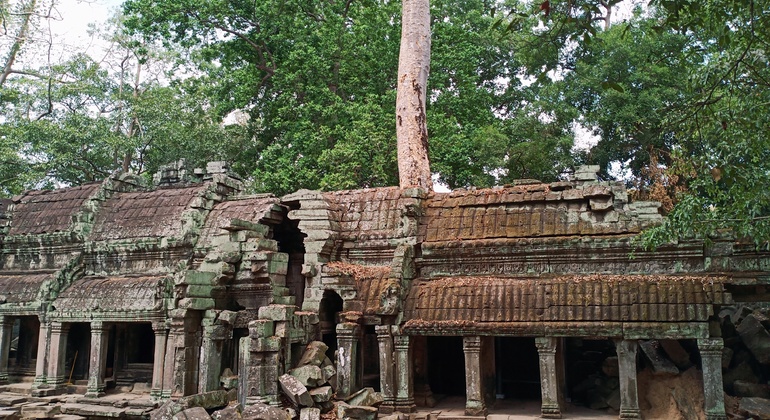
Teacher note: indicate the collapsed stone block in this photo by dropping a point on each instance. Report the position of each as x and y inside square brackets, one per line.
[330, 376]
[748, 389]
[166, 411]
[310, 413]
[756, 338]
[315, 354]
[661, 365]
[232, 412]
[757, 408]
[264, 412]
[228, 379]
[350, 412]
[207, 400]
[365, 397]
[277, 312]
[296, 392]
[308, 375]
[321, 394]
[40, 412]
[195, 413]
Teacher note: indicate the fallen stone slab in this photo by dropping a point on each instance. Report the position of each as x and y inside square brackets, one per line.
[321, 394]
[9, 414]
[8, 399]
[310, 413]
[346, 412]
[232, 412]
[296, 392]
[194, 413]
[68, 417]
[676, 353]
[88, 410]
[166, 411]
[208, 400]
[308, 375]
[365, 397]
[40, 411]
[756, 338]
[757, 408]
[661, 365]
[314, 354]
[264, 412]
[748, 389]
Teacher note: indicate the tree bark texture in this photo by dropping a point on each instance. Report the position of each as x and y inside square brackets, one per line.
[413, 69]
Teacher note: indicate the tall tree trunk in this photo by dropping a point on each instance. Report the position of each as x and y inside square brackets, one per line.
[20, 39]
[413, 69]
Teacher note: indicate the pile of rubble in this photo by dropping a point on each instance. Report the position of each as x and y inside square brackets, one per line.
[746, 359]
[311, 386]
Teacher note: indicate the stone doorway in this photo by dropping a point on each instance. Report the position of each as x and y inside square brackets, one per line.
[517, 368]
[78, 352]
[329, 309]
[130, 354]
[446, 366]
[22, 354]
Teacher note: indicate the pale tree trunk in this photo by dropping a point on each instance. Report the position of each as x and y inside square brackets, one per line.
[20, 39]
[413, 69]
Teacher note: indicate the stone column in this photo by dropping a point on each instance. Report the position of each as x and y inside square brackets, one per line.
[387, 368]
[404, 374]
[347, 361]
[98, 360]
[474, 402]
[158, 359]
[57, 353]
[549, 379]
[629, 396]
[6, 332]
[180, 368]
[214, 335]
[711, 363]
[41, 367]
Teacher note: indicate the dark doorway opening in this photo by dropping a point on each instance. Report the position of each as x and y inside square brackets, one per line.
[23, 350]
[371, 358]
[135, 352]
[517, 368]
[78, 351]
[330, 307]
[446, 366]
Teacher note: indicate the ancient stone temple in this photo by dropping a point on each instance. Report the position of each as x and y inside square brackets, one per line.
[480, 293]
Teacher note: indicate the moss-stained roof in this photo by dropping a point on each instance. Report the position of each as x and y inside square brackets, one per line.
[251, 209]
[22, 287]
[475, 301]
[158, 213]
[44, 211]
[122, 293]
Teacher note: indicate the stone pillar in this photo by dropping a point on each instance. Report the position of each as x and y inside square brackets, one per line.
[158, 359]
[711, 363]
[387, 368]
[57, 353]
[180, 368]
[549, 378]
[629, 396]
[6, 332]
[474, 400]
[347, 360]
[404, 374]
[41, 367]
[214, 335]
[98, 360]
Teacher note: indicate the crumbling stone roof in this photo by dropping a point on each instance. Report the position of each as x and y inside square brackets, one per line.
[44, 211]
[367, 213]
[493, 302]
[374, 286]
[144, 214]
[251, 209]
[21, 288]
[535, 210]
[123, 293]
